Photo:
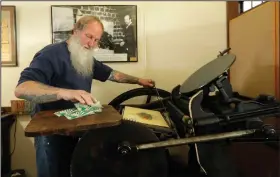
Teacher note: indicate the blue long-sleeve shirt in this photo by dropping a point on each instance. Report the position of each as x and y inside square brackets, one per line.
[52, 66]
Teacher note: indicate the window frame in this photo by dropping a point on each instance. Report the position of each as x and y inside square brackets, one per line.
[241, 5]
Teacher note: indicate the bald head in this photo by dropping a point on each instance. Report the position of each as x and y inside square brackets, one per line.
[86, 35]
[89, 30]
[85, 20]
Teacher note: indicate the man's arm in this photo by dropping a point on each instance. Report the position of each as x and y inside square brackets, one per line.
[36, 92]
[33, 83]
[103, 72]
[117, 76]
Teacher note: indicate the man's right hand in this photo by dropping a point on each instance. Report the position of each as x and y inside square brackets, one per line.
[76, 96]
[40, 93]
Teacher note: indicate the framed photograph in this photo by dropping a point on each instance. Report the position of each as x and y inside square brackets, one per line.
[119, 40]
[8, 36]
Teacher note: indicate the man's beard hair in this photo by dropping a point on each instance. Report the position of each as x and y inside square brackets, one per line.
[81, 58]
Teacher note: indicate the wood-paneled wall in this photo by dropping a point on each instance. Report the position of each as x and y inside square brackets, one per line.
[254, 39]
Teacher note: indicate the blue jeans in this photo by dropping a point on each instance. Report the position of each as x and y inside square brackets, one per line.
[53, 155]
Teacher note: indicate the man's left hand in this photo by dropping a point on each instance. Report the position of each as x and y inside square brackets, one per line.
[147, 82]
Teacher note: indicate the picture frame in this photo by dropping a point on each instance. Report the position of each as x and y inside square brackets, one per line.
[119, 40]
[8, 37]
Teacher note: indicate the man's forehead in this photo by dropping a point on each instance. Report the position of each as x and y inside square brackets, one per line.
[93, 27]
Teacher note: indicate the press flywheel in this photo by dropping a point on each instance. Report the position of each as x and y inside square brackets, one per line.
[97, 154]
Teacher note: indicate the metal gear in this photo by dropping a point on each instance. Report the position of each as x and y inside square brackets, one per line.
[97, 155]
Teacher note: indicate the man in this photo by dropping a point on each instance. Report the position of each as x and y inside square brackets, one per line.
[128, 42]
[59, 75]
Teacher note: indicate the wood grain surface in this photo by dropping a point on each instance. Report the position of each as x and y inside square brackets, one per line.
[47, 123]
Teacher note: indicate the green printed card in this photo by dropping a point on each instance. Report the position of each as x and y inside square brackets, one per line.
[81, 110]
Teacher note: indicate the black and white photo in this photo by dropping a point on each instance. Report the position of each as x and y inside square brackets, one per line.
[119, 40]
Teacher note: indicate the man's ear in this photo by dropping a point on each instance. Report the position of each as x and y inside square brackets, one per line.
[74, 31]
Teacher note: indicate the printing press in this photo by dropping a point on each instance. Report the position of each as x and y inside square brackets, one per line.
[204, 111]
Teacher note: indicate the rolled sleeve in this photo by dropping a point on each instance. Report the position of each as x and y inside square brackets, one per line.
[101, 71]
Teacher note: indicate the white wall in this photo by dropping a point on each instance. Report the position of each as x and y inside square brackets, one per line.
[173, 37]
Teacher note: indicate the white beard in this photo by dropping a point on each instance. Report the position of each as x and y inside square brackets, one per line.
[81, 58]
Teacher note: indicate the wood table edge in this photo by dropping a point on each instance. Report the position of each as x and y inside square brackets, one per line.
[69, 132]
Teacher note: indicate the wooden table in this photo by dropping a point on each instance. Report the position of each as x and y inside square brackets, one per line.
[47, 123]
